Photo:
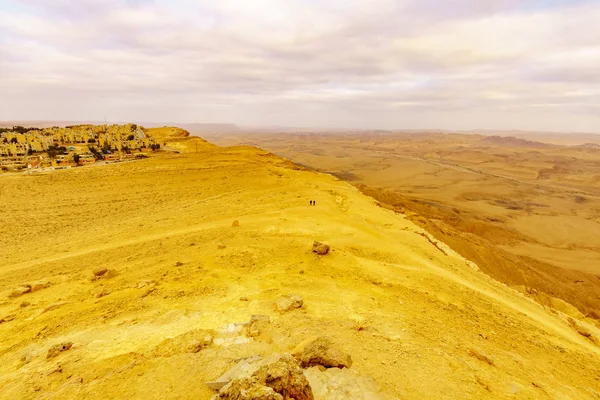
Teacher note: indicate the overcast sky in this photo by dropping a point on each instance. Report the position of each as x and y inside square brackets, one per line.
[454, 64]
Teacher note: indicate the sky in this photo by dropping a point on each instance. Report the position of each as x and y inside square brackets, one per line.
[372, 64]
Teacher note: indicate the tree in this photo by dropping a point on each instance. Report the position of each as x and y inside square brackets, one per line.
[97, 154]
[14, 140]
[76, 158]
[92, 140]
[130, 137]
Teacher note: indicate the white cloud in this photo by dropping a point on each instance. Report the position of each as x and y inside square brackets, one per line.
[382, 63]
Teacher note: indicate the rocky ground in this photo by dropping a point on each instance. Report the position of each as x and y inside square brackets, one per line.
[154, 279]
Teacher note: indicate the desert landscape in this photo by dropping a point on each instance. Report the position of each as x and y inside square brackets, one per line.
[527, 212]
[152, 278]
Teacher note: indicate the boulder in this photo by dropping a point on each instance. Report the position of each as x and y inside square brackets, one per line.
[58, 348]
[20, 291]
[278, 378]
[287, 303]
[320, 248]
[235, 223]
[99, 271]
[321, 351]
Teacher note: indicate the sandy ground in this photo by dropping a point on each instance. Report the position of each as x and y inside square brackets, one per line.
[415, 316]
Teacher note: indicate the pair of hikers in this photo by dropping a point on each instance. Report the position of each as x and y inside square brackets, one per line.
[313, 203]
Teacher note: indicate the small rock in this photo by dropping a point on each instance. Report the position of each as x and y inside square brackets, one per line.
[235, 223]
[57, 369]
[20, 291]
[26, 358]
[54, 306]
[321, 351]
[258, 324]
[100, 292]
[178, 264]
[287, 303]
[142, 284]
[259, 317]
[481, 356]
[7, 318]
[58, 348]
[25, 304]
[320, 248]
[243, 298]
[111, 273]
[221, 246]
[194, 346]
[38, 286]
[99, 271]
[301, 272]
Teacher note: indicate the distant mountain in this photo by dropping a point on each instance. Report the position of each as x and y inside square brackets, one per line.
[511, 141]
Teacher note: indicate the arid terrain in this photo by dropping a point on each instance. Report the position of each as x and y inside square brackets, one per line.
[130, 267]
[527, 212]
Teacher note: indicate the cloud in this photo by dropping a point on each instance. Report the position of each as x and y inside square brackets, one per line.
[382, 63]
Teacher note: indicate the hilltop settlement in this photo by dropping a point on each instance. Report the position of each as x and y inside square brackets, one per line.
[59, 148]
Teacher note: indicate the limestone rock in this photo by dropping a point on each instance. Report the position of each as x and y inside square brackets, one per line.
[99, 271]
[321, 351]
[58, 348]
[20, 291]
[320, 248]
[287, 303]
[278, 378]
